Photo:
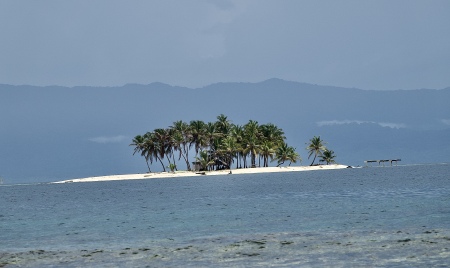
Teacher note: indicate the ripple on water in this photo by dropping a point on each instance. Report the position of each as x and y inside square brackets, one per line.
[402, 248]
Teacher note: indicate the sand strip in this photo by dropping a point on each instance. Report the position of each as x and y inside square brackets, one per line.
[179, 174]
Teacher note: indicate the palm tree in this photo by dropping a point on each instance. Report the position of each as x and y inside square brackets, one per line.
[223, 124]
[197, 130]
[237, 132]
[316, 146]
[177, 142]
[211, 134]
[219, 143]
[173, 143]
[139, 146]
[137, 142]
[251, 140]
[229, 147]
[272, 137]
[181, 139]
[211, 139]
[267, 150]
[286, 153]
[328, 156]
[203, 160]
[293, 156]
[281, 154]
[162, 145]
[150, 149]
[272, 133]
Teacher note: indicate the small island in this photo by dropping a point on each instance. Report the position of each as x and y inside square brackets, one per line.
[220, 148]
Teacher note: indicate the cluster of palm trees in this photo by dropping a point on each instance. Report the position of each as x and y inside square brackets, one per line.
[217, 145]
[316, 147]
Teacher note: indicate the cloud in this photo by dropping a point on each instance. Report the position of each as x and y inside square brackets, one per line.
[339, 122]
[392, 125]
[346, 122]
[446, 121]
[104, 139]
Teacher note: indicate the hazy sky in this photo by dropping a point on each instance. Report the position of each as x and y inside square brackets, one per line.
[403, 44]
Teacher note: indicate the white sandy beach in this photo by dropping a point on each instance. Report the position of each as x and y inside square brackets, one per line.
[179, 174]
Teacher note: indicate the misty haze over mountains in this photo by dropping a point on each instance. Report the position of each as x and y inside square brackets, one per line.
[54, 133]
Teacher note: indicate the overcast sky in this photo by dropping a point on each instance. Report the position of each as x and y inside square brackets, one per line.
[403, 44]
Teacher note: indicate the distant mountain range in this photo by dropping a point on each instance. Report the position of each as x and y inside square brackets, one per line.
[52, 133]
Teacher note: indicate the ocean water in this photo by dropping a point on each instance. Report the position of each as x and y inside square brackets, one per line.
[367, 217]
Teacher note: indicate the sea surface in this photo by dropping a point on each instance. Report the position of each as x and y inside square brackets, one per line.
[365, 217]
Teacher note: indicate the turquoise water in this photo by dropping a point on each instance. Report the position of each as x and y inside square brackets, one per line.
[385, 217]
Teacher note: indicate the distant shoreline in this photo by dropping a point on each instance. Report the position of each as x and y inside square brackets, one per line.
[180, 174]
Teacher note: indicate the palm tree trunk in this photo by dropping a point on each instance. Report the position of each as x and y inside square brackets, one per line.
[187, 158]
[253, 159]
[187, 162]
[162, 164]
[146, 161]
[168, 159]
[173, 158]
[313, 159]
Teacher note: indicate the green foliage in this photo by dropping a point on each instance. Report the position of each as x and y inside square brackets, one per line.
[286, 153]
[328, 156]
[217, 145]
[204, 160]
[316, 146]
[172, 167]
